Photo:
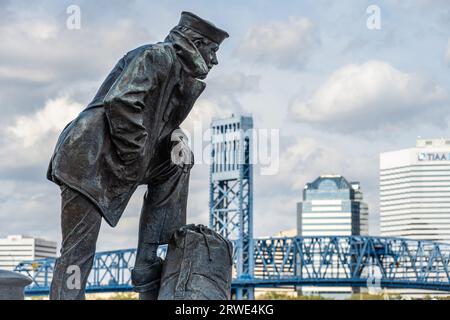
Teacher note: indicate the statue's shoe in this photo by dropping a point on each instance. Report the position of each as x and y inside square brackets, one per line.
[146, 280]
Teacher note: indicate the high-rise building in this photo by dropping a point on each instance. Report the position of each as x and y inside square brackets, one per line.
[415, 191]
[332, 206]
[15, 249]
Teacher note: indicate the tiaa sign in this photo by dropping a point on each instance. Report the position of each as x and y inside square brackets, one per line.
[433, 156]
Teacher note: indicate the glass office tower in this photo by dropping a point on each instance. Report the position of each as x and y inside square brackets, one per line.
[331, 206]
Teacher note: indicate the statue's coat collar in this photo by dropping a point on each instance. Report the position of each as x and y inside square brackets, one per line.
[190, 58]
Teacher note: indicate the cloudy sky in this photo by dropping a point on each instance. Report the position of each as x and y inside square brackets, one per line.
[339, 92]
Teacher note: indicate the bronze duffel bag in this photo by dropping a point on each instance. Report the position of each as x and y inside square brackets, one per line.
[198, 266]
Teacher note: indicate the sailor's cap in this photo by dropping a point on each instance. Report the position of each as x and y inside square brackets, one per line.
[202, 27]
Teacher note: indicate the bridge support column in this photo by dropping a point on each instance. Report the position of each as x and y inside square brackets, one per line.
[231, 192]
[247, 293]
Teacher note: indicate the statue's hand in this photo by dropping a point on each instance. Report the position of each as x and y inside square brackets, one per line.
[181, 154]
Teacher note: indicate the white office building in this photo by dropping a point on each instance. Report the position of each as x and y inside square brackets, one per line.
[415, 191]
[15, 249]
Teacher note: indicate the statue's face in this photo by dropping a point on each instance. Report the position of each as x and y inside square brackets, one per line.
[208, 50]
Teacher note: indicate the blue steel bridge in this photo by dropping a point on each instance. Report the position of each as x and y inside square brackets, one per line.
[297, 261]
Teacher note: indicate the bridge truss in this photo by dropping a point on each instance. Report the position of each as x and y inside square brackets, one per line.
[298, 261]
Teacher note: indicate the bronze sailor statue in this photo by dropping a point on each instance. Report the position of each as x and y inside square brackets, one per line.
[123, 139]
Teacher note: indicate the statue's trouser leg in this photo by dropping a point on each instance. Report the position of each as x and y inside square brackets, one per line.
[80, 224]
[163, 212]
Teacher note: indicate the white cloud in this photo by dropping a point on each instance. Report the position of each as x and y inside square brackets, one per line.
[55, 115]
[306, 158]
[303, 160]
[31, 138]
[29, 208]
[201, 115]
[227, 90]
[39, 30]
[447, 53]
[68, 55]
[42, 58]
[232, 83]
[285, 44]
[370, 95]
[8, 74]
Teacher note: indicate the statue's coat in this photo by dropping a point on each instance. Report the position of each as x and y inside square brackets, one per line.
[106, 151]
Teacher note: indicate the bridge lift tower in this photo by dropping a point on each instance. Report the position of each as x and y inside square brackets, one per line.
[231, 192]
